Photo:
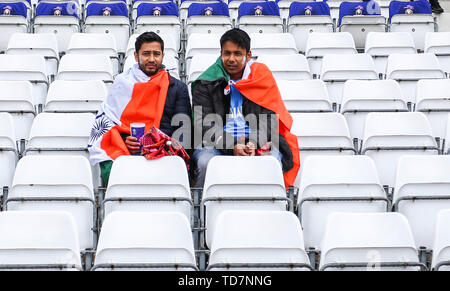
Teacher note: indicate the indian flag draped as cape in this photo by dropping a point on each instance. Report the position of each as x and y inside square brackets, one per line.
[259, 86]
[134, 97]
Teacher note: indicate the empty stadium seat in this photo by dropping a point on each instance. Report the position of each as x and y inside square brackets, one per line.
[336, 69]
[61, 18]
[260, 17]
[407, 69]
[381, 44]
[433, 99]
[16, 97]
[287, 67]
[413, 17]
[360, 97]
[272, 43]
[26, 68]
[368, 241]
[321, 44]
[421, 191]
[438, 43]
[95, 43]
[44, 44]
[441, 242]
[264, 241]
[305, 95]
[208, 18]
[138, 184]
[387, 136]
[161, 18]
[8, 151]
[14, 18]
[308, 17]
[185, 4]
[199, 64]
[199, 43]
[75, 67]
[39, 241]
[61, 183]
[360, 18]
[145, 241]
[256, 183]
[336, 184]
[75, 96]
[111, 18]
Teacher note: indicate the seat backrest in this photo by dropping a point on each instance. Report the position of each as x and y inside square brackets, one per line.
[60, 131]
[276, 43]
[348, 66]
[85, 67]
[385, 43]
[168, 8]
[44, 43]
[22, 67]
[433, 94]
[340, 176]
[308, 9]
[90, 42]
[397, 129]
[75, 96]
[437, 42]
[320, 44]
[199, 64]
[414, 67]
[16, 95]
[262, 237]
[197, 44]
[143, 238]
[7, 135]
[60, 9]
[408, 8]
[287, 67]
[208, 9]
[39, 238]
[358, 9]
[441, 245]
[349, 238]
[269, 8]
[305, 95]
[112, 9]
[15, 10]
[447, 137]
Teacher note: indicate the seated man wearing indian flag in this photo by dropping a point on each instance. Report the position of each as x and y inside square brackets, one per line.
[238, 111]
[145, 93]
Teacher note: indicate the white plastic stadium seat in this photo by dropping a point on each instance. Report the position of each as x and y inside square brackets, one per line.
[388, 136]
[416, 190]
[75, 96]
[336, 69]
[418, 25]
[137, 184]
[26, 68]
[199, 64]
[251, 22]
[8, 151]
[199, 22]
[145, 241]
[16, 97]
[320, 44]
[336, 184]
[287, 67]
[251, 178]
[368, 241]
[39, 241]
[360, 97]
[441, 244]
[198, 43]
[272, 43]
[56, 183]
[447, 138]
[93, 44]
[407, 69]
[85, 67]
[305, 96]
[264, 240]
[438, 43]
[433, 99]
[14, 18]
[44, 44]
[381, 44]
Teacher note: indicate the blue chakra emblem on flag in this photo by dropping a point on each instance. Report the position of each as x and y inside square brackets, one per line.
[359, 10]
[101, 126]
[7, 10]
[308, 10]
[259, 10]
[209, 11]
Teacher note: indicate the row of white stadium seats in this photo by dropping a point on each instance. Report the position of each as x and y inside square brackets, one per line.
[264, 240]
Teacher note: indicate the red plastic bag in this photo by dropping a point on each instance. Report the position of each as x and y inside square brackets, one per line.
[156, 144]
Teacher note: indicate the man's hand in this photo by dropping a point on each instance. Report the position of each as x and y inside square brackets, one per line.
[133, 145]
[250, 149]
[239, 150]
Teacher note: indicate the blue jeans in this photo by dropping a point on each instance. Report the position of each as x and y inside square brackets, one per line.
[202, 155]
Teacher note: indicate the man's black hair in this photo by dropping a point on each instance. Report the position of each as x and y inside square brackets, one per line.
[238, 37]
[148, 36]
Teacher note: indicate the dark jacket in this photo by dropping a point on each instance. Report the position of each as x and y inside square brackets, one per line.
[208, 97]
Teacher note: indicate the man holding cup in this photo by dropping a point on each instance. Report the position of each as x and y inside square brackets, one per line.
[141, 97]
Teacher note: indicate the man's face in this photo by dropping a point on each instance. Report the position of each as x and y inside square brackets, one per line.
[150, 57]
[234, 59]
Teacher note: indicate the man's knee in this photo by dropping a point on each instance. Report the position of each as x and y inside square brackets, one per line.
[203, 155]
